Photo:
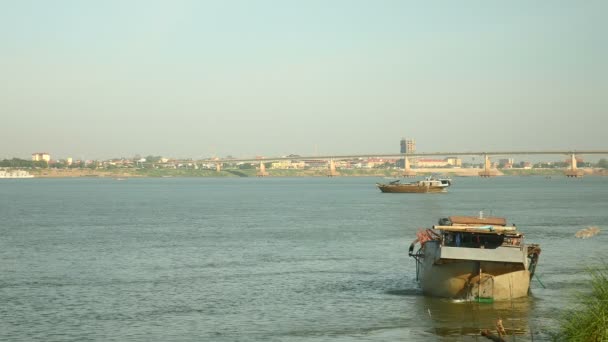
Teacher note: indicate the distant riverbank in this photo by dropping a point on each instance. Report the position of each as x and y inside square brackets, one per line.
[128, 173]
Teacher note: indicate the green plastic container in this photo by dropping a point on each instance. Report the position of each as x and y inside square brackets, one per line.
[484, 299]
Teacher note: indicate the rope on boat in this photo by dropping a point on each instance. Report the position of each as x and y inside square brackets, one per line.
[541, 283]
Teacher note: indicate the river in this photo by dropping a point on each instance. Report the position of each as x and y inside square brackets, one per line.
[271, 259]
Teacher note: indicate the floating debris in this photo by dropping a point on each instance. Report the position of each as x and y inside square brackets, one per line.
[500, 328]
[587, 232]
[490, 336]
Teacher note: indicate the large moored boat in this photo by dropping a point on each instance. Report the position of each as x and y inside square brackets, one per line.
[474, 258]
[429, 184]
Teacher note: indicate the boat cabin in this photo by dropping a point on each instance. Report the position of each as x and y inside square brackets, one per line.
[473, 232]
[434, 182]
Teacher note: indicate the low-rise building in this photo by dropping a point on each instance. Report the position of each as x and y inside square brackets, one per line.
[41, 156]
[315, 163]
[453, 161]
[287, 164]
[427, 162]
[375, 162]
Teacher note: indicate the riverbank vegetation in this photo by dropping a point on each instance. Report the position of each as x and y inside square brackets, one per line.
[588, 321]
[252, 172]
[533, 172]
[154, 166]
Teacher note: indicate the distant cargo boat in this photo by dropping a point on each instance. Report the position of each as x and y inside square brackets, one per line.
[15, 174]
[474, 258]
[429, 184]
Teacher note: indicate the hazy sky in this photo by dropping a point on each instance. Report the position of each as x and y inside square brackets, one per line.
[100, 79]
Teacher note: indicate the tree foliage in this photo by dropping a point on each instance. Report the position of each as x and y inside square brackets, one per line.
[22, 163]
[246, 166]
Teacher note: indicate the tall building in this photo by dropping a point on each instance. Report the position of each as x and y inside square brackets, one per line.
[408, 146]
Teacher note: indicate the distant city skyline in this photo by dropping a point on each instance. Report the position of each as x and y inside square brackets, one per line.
[414, 156]
[193, 79]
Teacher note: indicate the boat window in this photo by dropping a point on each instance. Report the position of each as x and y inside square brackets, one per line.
[448, 239]
[472, 240]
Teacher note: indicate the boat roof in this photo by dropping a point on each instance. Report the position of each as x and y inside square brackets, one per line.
[472, 220]
[488, 229]
[485, 225]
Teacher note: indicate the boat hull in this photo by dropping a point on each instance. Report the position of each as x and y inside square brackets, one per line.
[461, 280]
[471, 279]
[410, 189]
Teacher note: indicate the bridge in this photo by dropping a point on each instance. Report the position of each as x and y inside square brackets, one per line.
[573, 171]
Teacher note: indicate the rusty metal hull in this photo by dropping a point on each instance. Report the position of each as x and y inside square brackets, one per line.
[410, 188]
[468, 279]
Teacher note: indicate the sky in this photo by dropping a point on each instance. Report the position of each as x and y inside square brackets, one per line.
[194, 79]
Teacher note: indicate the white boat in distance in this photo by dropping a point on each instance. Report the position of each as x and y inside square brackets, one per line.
[15, 174]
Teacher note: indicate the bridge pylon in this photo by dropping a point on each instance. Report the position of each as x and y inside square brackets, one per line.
[331, 172]
[262, 170]
[574, 171]
[407, 171]
[218, 167]
[487, 168]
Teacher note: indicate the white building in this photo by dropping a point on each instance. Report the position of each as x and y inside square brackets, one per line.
[41, 156]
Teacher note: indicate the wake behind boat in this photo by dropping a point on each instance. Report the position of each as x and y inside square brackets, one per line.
[429, 184]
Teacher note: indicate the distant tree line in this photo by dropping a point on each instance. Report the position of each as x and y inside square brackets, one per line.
[24, 164]
[16, 162]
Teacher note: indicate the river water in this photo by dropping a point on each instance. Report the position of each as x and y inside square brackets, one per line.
[271, 259]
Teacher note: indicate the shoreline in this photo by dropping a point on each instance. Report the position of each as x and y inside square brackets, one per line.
[191, 173]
